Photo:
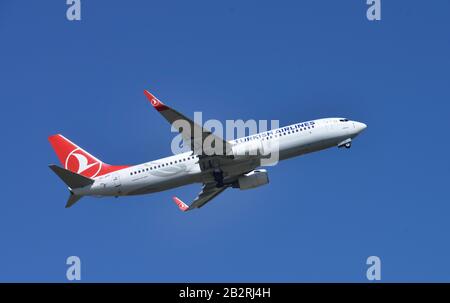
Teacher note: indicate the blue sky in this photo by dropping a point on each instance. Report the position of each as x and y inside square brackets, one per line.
[322, 215]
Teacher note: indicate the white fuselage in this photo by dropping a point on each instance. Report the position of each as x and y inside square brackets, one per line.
[183, 169]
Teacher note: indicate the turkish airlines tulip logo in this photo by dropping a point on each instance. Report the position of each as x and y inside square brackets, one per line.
[82, 163]
[155, 102]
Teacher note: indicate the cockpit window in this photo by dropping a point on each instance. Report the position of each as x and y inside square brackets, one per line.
[343, 120]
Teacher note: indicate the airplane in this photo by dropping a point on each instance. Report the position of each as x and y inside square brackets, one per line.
[237, 166]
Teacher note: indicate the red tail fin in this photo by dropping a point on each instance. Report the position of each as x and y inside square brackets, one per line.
[77, 160]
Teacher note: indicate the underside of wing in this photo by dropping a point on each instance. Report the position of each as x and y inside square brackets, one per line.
[209, 192]
[193, 134]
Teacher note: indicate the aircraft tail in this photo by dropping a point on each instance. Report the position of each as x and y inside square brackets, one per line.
[72, 199]
[72, 180]
[77, 160]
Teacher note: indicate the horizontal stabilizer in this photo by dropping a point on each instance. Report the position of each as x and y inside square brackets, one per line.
[73, 180]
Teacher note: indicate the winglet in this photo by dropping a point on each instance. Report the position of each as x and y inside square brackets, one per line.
[181, 205]
[158, 105]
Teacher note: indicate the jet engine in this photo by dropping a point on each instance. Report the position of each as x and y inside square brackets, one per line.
[253, 179]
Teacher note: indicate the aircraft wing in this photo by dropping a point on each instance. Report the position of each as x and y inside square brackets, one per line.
[209, 191]
[197, 134]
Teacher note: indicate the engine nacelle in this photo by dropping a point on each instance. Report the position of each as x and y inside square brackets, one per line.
[253, 148]
[253, 179]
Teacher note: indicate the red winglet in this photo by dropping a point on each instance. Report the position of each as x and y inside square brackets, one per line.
[158, 105]
[181, 205]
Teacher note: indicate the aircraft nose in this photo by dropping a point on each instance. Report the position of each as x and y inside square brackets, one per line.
[361, 126]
